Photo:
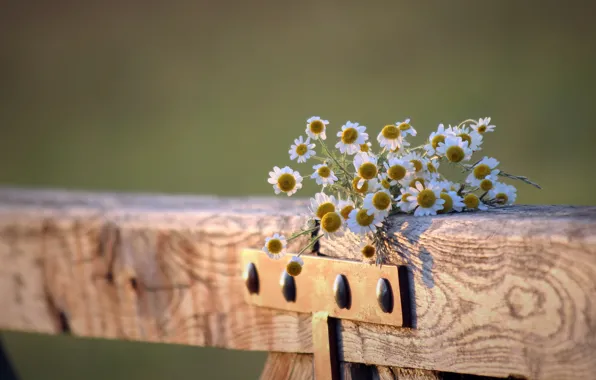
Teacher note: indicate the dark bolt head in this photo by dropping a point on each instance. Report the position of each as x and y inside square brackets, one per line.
[385, 295]
[251, 278]
[341, 290]
[288, 287]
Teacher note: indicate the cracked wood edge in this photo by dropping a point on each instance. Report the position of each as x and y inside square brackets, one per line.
[502, 293]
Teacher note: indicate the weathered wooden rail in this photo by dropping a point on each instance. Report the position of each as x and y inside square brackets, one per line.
[503, 293]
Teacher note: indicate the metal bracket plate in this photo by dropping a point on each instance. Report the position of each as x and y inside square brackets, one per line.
[314, 288]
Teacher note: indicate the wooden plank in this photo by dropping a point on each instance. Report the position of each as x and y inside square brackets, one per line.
[288, 366]
[160, 269]
[508, 292]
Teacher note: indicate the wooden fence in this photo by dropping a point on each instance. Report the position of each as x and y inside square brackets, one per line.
[504, 293]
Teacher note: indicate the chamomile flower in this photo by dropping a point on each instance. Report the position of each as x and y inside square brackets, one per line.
[321, 204]
[472, 202]
[331, 224]
[406, 128]
[417, 161]
[365, 187]
[436, 138]
[503, 194]
[360, 222]
[402, 201]
[367, 250]
[398, 169]
[390, 137]
[488, 183]
[302, 150]
[345, 206]
[378, 202]
[427, 200]
[366, 167]
[412, 181]
[473, 138]
[365, 148]
[455, 149]
[323, 175]
[285, 180]
[351, 137]
[275, 246]
[315, 127]
[384, 181]
[452, 202]
[485, 167]
[483, 126]
[294, 267]
[432, 167]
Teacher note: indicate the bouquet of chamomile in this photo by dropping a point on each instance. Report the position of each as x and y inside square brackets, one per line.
[360, 189]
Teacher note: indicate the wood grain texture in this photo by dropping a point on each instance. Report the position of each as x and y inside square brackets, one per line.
[288, 366]
[356, 371]
[506, 292]
[160, 269]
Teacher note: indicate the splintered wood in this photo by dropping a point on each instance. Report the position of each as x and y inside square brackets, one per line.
[499, 293]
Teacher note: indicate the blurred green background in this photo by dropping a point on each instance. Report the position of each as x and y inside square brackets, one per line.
[205, 97]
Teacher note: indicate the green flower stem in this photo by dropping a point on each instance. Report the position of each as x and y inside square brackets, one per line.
[298, 234]
[333, 158]
[466, 121]
[313, 241]
[519, 178]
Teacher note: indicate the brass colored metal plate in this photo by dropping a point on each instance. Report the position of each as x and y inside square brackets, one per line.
[314, 287]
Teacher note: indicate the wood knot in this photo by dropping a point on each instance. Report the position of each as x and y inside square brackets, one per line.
[524, 302]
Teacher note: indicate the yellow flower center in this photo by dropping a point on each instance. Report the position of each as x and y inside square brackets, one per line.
[363, 219]
[324, 208]
[367, 170]
[426, 198]
[404, 197]
[361, 190]
[349, 136]
[274, 246]
[345, 212]
[481, 128]
[404, 126]
[486, 184]
[465, 137]
[448, 205]
[431, 168]
[286, 182]
[368, 251]
[390, 132]
[455, 153]
[294, 268]
[396, 172]
[436, 140]
[301, 149]
[471, 201]
[364, 148]
[331, 222]
[413, 182]
[381, 200]
[385, 184]
[502, 198]
[417, 164]
[324, 171]
[316, 127]
[481, 171]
